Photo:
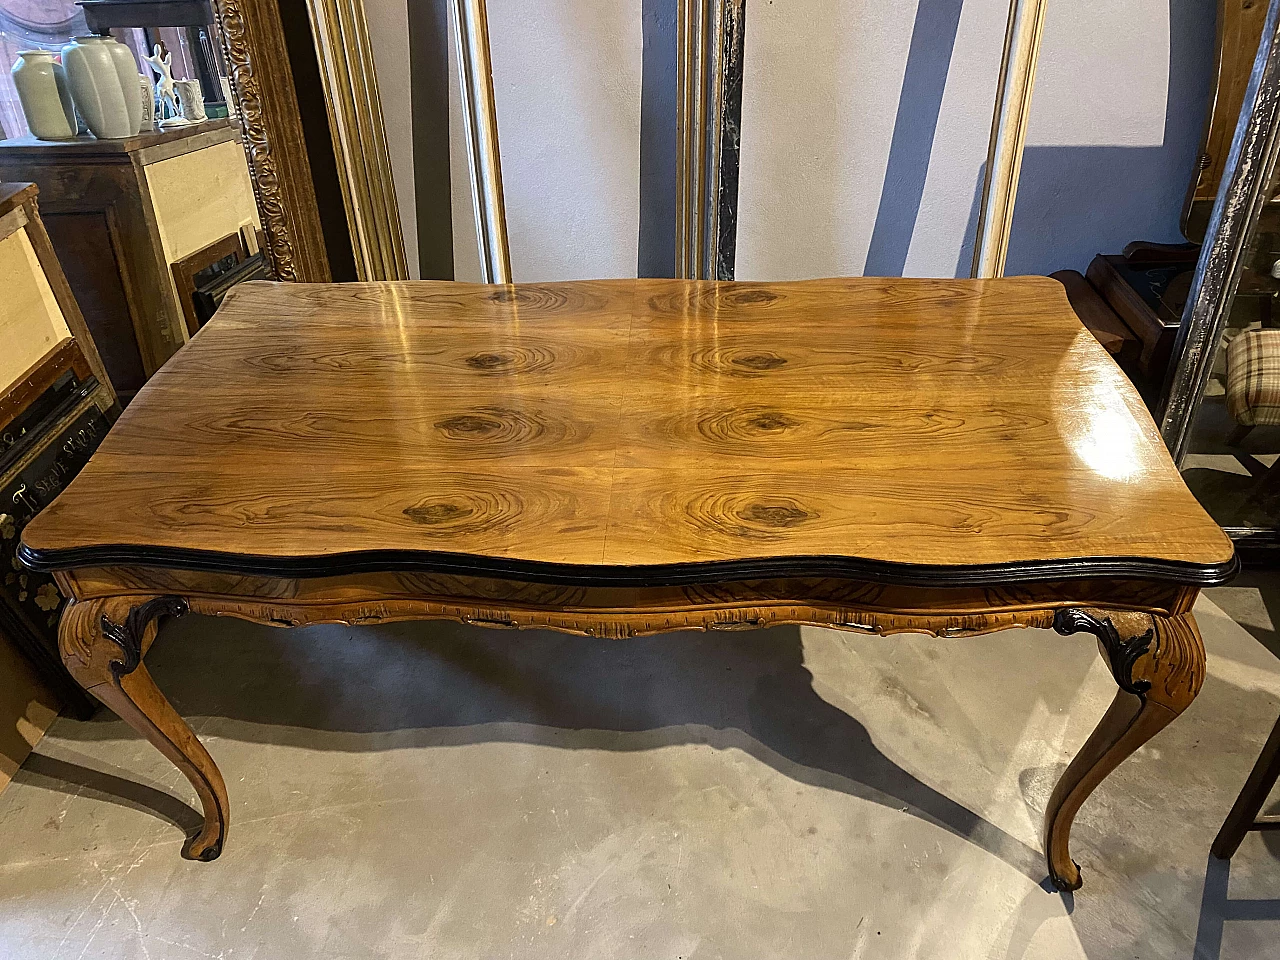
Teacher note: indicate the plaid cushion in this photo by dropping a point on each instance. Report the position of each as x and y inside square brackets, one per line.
[1253, 378]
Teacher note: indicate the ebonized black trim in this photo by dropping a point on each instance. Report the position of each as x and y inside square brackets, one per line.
[649, 575]
[128, 635]
[1122, 654]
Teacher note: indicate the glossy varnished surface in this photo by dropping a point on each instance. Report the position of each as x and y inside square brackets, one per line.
[613, 424]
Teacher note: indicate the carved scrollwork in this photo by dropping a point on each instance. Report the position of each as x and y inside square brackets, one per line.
[262, 165]
[1123, 654]
[128, 635]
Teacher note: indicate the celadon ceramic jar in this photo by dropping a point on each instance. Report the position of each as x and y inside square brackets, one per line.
[45, 97]
[96, 88]
[127, 71]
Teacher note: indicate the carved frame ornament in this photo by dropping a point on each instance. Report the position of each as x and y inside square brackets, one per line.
[257, 146]
[253, 41]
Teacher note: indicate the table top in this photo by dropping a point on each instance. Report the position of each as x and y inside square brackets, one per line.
[639, 432]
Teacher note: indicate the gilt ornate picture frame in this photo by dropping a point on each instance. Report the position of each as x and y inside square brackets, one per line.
[256, 43]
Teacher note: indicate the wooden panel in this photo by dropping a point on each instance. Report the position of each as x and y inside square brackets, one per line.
[31, 322]
[91, 150]
[897, 421]
[14, 195]
[200, 197]
[1156, 333]
[184, 272]
[57, 280]
[42, 375]
[106, 178]
[1240, 24]
[90, 259]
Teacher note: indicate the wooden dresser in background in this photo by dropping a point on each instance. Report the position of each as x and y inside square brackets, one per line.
[121, 214]
[55, 406]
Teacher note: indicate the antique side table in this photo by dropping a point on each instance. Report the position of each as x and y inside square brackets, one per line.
[625, 457]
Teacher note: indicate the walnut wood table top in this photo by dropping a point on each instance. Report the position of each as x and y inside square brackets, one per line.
[621, 430]
[624, 457]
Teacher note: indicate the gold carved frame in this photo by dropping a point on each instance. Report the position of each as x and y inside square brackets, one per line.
[1008, 136]
[253, 40]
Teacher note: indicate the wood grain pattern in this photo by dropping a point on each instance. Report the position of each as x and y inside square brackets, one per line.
[625, 423]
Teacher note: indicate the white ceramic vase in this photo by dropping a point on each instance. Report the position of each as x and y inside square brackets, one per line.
[97, 89]
[44, 95]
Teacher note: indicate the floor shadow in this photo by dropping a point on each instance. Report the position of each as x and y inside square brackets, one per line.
[1237, 499]
[1262, 628]
[1216, 908]
[75, 779]
[437, 684]
[1031, 914]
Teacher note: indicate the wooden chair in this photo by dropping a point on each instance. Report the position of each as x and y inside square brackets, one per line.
[1243, 817]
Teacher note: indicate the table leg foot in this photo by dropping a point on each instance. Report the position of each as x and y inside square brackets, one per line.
[1159, 665]
[102, 642]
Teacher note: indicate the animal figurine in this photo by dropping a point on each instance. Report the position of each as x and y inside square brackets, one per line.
[163, 69]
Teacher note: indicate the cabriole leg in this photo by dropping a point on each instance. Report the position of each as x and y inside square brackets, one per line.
[1159, 665]
[102, 642]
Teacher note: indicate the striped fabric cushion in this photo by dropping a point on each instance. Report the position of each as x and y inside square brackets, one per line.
[1253, 378]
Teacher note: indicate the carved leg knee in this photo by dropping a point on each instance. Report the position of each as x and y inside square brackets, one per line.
[102, 642]
[1159, 665]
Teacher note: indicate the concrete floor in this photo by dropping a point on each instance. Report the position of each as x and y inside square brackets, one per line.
[430, 790]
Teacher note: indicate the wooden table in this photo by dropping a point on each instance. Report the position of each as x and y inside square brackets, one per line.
[617, 458]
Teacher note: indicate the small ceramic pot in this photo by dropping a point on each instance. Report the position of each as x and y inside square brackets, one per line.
[190, 100]
[44, 95]
[97, 90]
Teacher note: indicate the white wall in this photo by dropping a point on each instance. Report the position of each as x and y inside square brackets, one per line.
[567, 84]
[821, 99]
[820, 90]
[1112, 138]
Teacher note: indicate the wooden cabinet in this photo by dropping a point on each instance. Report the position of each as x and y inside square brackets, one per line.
[120, 213]
[55, 405]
